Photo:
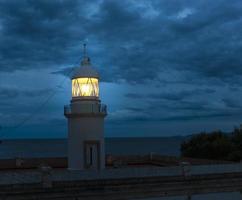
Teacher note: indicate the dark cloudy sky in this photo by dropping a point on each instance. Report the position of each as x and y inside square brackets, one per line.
[167, 67]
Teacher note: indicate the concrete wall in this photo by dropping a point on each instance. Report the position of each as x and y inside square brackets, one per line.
[82, 129]
[113, 161]
[31, 163]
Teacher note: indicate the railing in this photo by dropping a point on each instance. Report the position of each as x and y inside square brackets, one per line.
[86, 108]
[103, 108]
[67, 109]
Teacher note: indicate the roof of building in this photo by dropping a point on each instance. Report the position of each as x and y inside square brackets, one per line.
[85, 70]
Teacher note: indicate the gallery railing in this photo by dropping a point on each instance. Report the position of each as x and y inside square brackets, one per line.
[86, 108]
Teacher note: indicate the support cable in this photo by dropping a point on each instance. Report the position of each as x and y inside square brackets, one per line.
[40, 107]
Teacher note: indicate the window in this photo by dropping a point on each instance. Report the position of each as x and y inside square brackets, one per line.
[85, 87]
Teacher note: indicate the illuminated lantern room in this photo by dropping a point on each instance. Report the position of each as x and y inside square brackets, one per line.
[85, 80]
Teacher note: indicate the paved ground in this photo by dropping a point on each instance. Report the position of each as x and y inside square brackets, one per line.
[35, 176]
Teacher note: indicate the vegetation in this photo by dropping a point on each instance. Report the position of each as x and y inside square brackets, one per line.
[215, 145]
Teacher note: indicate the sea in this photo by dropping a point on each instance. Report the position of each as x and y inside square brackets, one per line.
[27, 148]
[115, 146]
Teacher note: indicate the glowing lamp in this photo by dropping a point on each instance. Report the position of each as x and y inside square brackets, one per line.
[85, 81]
[85, 87]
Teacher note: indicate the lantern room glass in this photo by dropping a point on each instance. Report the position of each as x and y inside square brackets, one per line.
[85, 87]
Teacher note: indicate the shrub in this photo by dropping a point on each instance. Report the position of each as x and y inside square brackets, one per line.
[215, 145]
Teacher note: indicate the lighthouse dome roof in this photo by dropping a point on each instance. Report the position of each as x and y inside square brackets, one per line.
[85, 70]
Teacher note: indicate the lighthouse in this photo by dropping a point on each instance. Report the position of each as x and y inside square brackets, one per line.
[85, 116]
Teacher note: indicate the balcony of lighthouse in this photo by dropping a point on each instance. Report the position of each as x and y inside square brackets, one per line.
[85, 109]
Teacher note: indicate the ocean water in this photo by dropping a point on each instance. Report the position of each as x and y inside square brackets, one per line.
[114, 146]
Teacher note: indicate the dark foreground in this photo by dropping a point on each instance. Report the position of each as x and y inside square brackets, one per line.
[125, 177]
[122, 183]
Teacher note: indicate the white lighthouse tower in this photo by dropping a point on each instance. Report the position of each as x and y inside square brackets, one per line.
[85, 116]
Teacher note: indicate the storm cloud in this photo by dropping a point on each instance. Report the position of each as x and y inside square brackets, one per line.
[135, 40]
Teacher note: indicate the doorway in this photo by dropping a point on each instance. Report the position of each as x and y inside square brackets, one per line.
[92, 155]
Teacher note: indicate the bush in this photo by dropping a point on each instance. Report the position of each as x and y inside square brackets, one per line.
[215, 145]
